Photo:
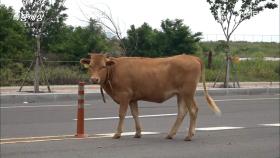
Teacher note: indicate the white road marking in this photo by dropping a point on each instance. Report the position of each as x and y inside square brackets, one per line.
[271, 125]
[218, 128]
[64, 137]
[44, 106]
[38, 106]
[128, 134]
[141, 116]
[37, 137]
[249, 99]
[108, 135]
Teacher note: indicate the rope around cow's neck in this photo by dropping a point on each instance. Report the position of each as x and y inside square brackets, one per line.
[109, 82]
[102, 94]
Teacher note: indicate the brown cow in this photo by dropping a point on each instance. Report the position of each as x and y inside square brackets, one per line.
[130, 79]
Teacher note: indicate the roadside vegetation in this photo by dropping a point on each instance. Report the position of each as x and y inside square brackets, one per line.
[247, 71]
[251, 70]
[64, 45]
[245, 49]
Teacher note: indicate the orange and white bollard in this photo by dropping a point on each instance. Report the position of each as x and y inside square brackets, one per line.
[80, 113]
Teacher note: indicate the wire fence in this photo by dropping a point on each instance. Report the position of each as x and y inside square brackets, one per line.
[205, 38]
[243, 37]
[21, 72]
[45, 61]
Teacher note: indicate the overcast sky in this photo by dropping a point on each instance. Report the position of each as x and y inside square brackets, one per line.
[195, 13]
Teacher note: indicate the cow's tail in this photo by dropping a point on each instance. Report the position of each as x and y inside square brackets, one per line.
[211, 103]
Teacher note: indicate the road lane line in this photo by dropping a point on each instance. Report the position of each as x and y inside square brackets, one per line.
[141, 116]
[37, 106]
[53, 138]
[109, 135]
[47, 140]
[218, 128]
[174, 114]
[45, 106]
[39, 137]
[64, 137]
[249, 99]
[271, 125]
[128, 134]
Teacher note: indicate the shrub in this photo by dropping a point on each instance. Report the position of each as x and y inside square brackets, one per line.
[56, 75]
[62, 75]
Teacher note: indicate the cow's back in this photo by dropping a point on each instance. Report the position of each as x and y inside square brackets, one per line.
[155, 79]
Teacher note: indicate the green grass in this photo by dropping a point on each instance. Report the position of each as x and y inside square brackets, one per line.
[258, 70]
[255, 70]
[57, 75]
[245, 49]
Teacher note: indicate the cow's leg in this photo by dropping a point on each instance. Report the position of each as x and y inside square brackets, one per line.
[180, 117]
[135, 113]
[193, 110]
[122, 112]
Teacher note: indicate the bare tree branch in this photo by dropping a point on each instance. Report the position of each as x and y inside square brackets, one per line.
[106, 20]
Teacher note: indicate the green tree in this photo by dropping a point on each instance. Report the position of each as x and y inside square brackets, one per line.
[14, 44]
[141, 41]
[39, 17]
[13, 40]
[77, 42]
[174, 38]
[42, 17]
[231, 13]
[54, 25]
[44, 20]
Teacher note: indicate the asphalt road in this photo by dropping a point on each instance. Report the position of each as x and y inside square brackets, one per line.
[248, 127]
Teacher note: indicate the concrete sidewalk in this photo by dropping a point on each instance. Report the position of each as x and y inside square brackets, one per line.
[10, 95]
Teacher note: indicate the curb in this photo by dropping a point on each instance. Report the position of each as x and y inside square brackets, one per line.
[55, 97]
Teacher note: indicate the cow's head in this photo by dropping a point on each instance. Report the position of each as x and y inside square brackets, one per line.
[98, 67]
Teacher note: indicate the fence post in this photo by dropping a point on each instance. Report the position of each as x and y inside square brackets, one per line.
[80, 112]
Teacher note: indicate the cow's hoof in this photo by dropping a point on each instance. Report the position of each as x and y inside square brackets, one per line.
[168, 137]
[137, 135]
[188, 138]
[116, 136]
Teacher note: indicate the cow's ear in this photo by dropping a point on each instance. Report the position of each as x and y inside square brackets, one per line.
[85, 62]
[110, 62]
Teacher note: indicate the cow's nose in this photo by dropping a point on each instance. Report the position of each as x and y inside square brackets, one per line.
[95, 80]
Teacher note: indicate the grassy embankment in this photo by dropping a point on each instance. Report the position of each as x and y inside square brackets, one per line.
[253, 70]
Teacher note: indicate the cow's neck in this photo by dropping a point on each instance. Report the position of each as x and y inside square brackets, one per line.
[107, 85]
